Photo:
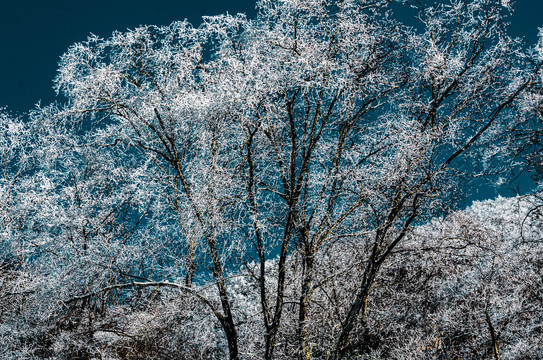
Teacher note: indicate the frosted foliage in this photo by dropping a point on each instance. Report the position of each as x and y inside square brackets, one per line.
[475, 263]
[539, 45]
[256, 189]
[16, 159]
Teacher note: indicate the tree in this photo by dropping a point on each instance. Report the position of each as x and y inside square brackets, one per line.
[318, 133]
[472, 288]
[524, 138]
[17, 160]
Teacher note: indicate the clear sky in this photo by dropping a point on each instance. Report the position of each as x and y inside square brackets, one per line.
[34, 33]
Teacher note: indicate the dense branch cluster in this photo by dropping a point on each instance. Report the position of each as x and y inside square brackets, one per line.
[277, 188]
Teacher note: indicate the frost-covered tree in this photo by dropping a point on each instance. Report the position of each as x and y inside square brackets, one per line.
[17, 161]
[524, 139]
[18, 145]
[466, 286]
[258, 176]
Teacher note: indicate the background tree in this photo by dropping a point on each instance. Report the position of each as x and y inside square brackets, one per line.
[17, 161]
[524, 138]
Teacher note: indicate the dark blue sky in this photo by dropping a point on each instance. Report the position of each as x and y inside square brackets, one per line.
[34, 34]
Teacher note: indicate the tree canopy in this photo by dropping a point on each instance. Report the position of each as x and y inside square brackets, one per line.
[257, 188]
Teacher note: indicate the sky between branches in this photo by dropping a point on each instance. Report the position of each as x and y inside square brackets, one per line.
[34, 34]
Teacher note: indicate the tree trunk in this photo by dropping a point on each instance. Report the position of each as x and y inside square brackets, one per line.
[359, 305]
[493, 337]
[307, 278]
